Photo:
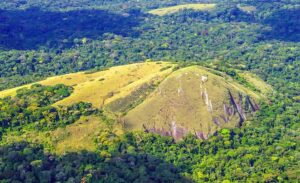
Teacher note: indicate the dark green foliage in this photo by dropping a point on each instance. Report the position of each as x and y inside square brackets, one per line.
[41, 95]
[267, 150]
[32, 108]
[165, 68]
[23, 162]
[46, 30]
[65, 36]
[75, 43]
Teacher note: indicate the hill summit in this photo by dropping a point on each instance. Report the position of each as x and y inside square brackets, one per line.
[155, 97]
[193, 100]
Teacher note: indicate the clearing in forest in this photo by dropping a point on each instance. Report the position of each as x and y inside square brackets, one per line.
[105, 86]
[151, 96]
[174, 9]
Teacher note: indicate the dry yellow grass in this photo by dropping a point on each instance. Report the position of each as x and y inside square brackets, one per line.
[94, 87]
[174, 9]
[247, 9]
[297, 98]
[178, 99]
[104, 86]
[77, 136]
[11, 92]
[257, 82]
[31, 136]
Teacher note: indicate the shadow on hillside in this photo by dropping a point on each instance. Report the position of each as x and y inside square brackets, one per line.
[22, 162]
[34, 28]
[285, 25]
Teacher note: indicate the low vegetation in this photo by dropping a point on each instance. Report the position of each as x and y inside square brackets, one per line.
[174, 9]
[191, 98]
[102, 87]
[145, 93]
[135, 96]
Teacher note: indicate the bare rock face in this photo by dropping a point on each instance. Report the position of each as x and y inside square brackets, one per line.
[241, 108]
[193, 100]
[175, 131]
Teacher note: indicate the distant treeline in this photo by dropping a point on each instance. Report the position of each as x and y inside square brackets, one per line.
[36, 43]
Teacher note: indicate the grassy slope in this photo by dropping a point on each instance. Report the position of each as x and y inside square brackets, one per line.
[174, 9]
[109, 84]
[94, 87]
[247, 9]
[186, 107]
[257, 82]
[144, 93]
[75, 137]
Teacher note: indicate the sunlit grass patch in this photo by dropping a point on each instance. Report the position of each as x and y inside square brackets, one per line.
[174, 9]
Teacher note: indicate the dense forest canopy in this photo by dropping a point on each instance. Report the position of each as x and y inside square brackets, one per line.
[33, 106]
[37, 42]
[42, 38]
